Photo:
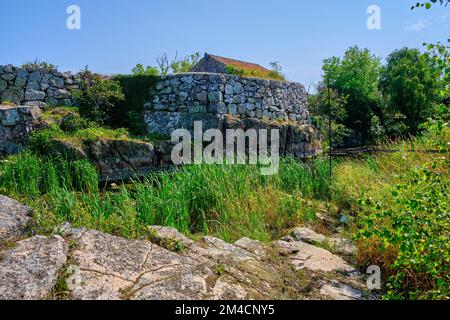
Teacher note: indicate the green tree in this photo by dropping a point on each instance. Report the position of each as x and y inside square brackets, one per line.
[326, 104]
[409, 84]
[185, 64]
[142, 71]
[428, 4]
[166, 66]
[356, 76]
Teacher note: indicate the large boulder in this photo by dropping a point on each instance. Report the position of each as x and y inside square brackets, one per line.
[30, 269]
[14, 218]
[175, 268]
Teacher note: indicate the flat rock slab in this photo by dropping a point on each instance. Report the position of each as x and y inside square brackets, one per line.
[305, 256]
[14, 218]
[30, 269]
[335, 290]
[115, 268]
[337, 244]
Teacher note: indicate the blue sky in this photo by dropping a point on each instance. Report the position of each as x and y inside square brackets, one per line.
[115, 35]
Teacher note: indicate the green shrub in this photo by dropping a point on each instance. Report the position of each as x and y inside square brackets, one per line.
[129, 112]
[73, 122]
[42, 141]
[99, 102]
[414, 229]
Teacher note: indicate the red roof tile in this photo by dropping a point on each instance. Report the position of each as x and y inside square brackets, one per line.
[239, 64]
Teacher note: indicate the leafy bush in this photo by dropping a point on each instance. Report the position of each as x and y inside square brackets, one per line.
[73, 122]
[416, 230]
[99, 102]
[42, 141]
[129, 112]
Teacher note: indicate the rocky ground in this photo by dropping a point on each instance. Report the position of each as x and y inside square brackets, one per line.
[87, 264]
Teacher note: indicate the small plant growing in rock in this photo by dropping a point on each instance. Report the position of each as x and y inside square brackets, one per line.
[39, 64]
[220, 269]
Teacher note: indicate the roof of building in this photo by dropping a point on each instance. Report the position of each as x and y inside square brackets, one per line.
[239, 64]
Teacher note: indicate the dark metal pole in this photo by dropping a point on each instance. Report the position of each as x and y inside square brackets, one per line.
[329, 133]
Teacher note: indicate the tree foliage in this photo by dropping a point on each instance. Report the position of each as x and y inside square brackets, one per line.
[409, 84]
[356, 76]
[165, 65]
[428, 4]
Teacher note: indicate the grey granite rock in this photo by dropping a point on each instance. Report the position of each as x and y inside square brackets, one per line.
[30, 269]
[14, 218]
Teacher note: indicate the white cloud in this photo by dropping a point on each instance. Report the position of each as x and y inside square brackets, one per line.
[419, 25]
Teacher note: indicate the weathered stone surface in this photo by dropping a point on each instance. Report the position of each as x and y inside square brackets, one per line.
[34, 95]
[8, 76]
[337, 244]
[35, 85]
[57, 82]
[175, 99]
[306, 256]
[3, 85]
[115, 268]
[62, 94]
[8, 68]
[334, 290]
[14, 218]
[30, 269]
[35, 76]
[116, 159]
[16, 123]
[169, 266]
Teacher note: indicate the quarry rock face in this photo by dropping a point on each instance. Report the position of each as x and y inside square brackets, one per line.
[168, 265]
[16, 123]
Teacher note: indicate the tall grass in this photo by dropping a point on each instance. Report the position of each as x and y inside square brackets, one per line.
[229, 201]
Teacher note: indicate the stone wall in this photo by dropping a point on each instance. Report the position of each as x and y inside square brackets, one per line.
[231, 102]
[38, 87]
[15, 125]
[180, 99]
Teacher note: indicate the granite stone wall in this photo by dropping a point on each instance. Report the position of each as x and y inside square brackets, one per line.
[36, 86]
[180, 99]
[16, 123]
[224, 102]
